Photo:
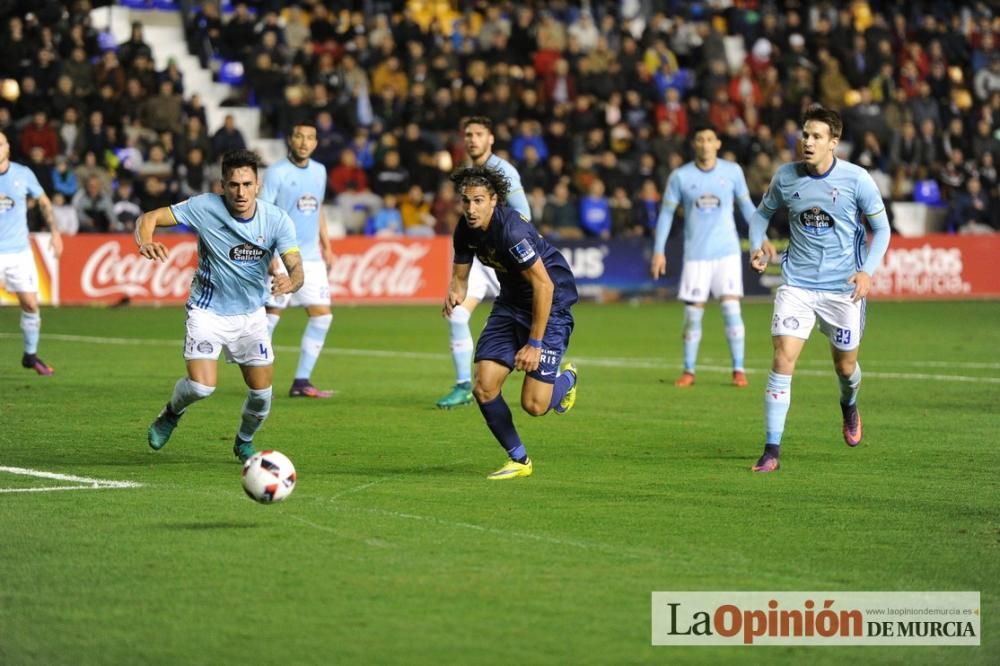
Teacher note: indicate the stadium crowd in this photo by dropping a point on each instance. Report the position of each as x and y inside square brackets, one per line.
[592, 101]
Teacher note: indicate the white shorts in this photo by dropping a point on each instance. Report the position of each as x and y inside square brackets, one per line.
[796, 311]
[244, 337]
[702, 278]
[483, 282]
[315, 289]
[18, 272]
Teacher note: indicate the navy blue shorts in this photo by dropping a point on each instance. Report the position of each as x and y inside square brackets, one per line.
[505, 333]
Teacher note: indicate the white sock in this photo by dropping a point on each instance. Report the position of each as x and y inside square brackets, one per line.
[313, 340]
[31, 326]
[849, 386]
[461, 344]
[735, 332]
[187, 392]
[255, 410]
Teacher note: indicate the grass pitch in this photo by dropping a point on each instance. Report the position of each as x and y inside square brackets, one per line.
[395, 549]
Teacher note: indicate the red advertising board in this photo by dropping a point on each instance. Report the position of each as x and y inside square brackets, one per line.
[390, 270]
[106, 268]
[939, 266]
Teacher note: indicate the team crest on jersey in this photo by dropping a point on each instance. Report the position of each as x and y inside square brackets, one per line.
[246, 253]
[307, 203]
[816, 221]
[522, 251]
[707, 201]
[6, 203]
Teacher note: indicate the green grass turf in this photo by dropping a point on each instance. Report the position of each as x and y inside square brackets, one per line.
[395, 549]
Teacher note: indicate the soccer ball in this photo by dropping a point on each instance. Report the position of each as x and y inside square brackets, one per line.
[268, 476]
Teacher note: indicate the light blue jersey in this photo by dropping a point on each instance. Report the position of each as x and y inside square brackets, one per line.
[233, 254]
[516, 197]
[708, 198]
[299, 191]
[828, 241]
[15, 186]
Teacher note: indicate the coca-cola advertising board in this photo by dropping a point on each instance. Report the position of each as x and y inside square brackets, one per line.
[390, 270]
[107, 268]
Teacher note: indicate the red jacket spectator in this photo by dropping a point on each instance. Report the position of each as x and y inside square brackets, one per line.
[40, 133]
[347, 175]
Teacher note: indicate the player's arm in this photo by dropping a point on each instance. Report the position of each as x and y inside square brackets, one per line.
[144, 226]
[671, 199]
[871, 204]
[45, 205]
[529, 355]
[518, 200]
[742, 194]
[286, 284]
[324, 239]
[458, 288]
[761, 250]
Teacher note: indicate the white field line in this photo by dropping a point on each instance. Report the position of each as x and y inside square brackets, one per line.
[85, 482]
[608, 362]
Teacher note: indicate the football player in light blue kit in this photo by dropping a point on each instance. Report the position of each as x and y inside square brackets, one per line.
[483, 281]
[828, 269]
[707, 189]
[297, 185]
[237, 237]
[17, 262]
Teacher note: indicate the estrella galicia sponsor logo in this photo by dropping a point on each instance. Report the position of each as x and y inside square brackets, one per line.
[6, 203]
[815, 221]
[707, 201]
[205, 347]
[791, 323]
[245, 253]
[307, 203]
[523, 251]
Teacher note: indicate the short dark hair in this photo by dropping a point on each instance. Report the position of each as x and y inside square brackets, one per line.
[480, 176]
[478, 120]
[235, 159]
[307, 122]
[821, 114]
[704, 127]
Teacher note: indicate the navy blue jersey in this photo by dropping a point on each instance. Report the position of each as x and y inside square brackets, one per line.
[510, 245]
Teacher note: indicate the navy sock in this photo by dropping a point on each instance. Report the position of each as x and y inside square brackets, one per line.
[563, 383]
[501, 424]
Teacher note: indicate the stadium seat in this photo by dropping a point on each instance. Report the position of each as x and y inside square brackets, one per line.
[231, 72]
[927, 192]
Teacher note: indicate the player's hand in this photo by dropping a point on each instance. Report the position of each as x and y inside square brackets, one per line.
[527, 358]
[154, 251]
[281, 284]
[659, 265]
[56, 243]
[761, 257]
[862, 285]
[453, 300]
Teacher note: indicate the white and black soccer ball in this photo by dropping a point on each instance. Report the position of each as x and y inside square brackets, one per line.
[268, 476]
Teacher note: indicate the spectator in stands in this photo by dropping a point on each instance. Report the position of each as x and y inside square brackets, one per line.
[595, 211]
[64, 214]
[110, 71]
[134, 46]
[227, 138]
[391, 177]
[40, 133]
[155, 193]
[163, 112]
[969, 211]
[127, 207]
[415, 210]
[94, 208]
[40, 167]
[63, 178]
[192, 175]
[347, 175]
